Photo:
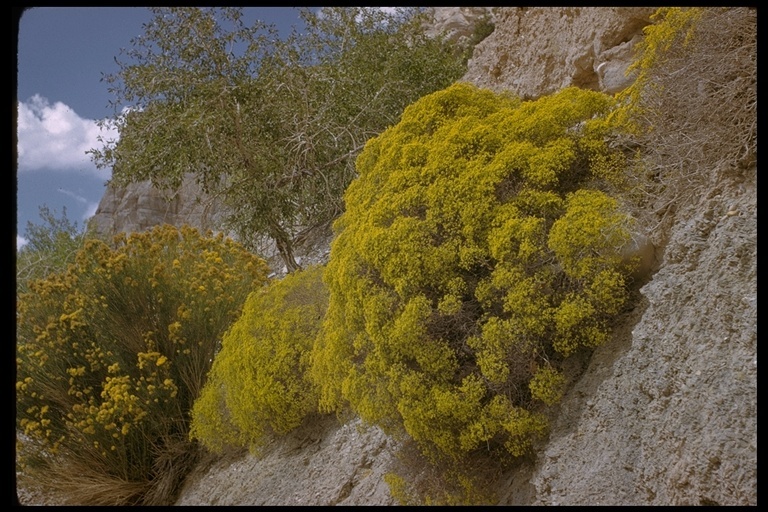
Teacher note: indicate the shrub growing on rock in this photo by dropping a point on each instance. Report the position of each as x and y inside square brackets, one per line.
[476, 252]
[258, 383]
[689, 126]
[111, 355]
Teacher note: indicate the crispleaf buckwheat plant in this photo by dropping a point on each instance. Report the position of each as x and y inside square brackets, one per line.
[258, 384]
[477, 251]
[111, 355]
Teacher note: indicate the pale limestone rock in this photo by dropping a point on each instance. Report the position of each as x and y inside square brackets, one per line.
[540, 50]
[457, 24]
[664, 414]
[140, 206]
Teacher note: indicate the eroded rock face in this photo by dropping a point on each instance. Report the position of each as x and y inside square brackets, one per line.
[666, 414]
[458, 24]
[318, 464]
[536, 51]
[139, 206]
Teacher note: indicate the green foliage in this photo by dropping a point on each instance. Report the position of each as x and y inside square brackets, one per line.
[112, 353]
[51, 246]
[476, 252]
[273, 125]
[258, 383]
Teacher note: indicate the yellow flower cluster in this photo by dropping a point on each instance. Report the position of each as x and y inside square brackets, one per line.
[258, 384]
[113, 352]
[475, 248]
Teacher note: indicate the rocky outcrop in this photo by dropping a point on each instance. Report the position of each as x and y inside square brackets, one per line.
[535, 51]
[666, 413]
[663, 414]
[320, 463]
[140, 206]
[459, 24]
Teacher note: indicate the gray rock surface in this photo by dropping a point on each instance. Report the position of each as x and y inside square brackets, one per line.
[321, 463]
[666, 414]
[539, 50]
[139, 206]
[458, 24]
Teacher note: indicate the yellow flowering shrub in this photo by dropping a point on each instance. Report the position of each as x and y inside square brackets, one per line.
[477, 251]
[112, 352]
[258, 384]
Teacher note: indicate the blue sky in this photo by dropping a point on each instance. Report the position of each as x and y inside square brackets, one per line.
[62, 53]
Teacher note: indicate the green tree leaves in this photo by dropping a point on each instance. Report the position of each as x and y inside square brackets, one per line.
[273, 125]
[50, 248]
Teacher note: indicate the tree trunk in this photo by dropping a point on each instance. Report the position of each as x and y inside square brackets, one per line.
[284, 246]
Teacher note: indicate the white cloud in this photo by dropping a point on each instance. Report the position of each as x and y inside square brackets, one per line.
[74, 196]
[20, 242]
[54, 137]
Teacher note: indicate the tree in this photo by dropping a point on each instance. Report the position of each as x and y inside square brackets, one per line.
[272, 125]
[477, 252]
[50, 247]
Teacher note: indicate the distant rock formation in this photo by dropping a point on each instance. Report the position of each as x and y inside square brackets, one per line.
[458, 24]
[140, 206]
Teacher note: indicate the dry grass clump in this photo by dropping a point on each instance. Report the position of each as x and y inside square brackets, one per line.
[693, 106]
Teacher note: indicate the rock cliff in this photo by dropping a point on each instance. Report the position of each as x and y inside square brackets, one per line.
[663, 414]
[539, 50]
[139, 206]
